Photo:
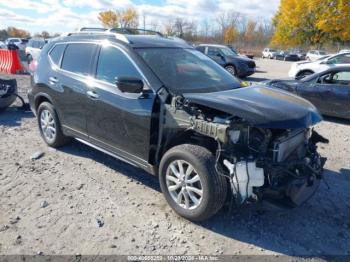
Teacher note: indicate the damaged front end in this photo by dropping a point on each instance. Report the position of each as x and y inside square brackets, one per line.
[281, 166]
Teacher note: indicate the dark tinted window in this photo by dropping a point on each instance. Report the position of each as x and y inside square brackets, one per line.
[78, 58]
[201, 48]
[213, 51]
[56, 54]
[113, 63]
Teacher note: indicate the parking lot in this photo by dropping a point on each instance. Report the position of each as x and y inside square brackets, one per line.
[76, 200]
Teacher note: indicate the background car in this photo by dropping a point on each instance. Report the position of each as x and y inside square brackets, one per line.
[15, 41]
[286, 56]
[299, 52]
[344, 51]
[2, 45]
[328, 90]
[314, 55]
[269, 53]
[34, 47]
[302, 69]
[233, 63]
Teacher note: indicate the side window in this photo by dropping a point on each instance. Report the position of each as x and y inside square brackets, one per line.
[213, 51]
[342, 78]
[201, 48]
[78, 58]
[56, 54]
[113, 63]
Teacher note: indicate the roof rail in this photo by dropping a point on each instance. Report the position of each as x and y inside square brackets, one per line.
[94, 29]
[99, 31]
[118, 33]
[135, 31]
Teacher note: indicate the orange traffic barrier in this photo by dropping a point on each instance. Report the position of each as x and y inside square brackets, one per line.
[10, 62]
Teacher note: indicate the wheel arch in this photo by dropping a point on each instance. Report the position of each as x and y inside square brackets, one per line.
[40, 98]
[185, 137]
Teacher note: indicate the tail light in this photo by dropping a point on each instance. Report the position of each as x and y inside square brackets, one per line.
[33, 65]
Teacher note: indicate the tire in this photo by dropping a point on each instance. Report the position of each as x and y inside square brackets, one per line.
[303, 74]
[231, 69]
[29, 58]
[213, 187]
[47, 116]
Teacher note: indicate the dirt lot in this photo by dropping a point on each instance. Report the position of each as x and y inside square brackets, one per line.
[78, 200]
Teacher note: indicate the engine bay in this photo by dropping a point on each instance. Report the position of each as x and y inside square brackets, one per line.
[278, 165]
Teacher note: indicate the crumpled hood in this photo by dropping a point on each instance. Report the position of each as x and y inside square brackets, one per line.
[261, 107]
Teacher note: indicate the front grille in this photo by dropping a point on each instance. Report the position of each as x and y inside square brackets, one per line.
[284, 146]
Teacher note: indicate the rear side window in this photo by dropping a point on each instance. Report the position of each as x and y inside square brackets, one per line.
[201, 48]
[56, 54]
[78, 58]
[113, 63]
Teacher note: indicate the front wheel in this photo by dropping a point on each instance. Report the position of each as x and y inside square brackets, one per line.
[190, 183]
[231, 69]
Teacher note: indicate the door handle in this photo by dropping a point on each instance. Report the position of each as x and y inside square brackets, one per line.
[53, 80]
[92, 95]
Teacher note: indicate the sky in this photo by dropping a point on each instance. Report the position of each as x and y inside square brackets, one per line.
[57, 16]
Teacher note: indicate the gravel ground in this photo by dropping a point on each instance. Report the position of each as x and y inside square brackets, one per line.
[78, 200]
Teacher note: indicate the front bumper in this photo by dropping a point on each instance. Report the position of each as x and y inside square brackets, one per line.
[246, 72]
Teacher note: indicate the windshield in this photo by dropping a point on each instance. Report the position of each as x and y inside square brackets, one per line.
[187, 70]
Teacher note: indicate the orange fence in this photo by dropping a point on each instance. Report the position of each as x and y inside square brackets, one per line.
[10, 62]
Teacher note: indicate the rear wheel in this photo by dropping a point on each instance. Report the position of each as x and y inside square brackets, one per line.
[190, 183]
[50, 127]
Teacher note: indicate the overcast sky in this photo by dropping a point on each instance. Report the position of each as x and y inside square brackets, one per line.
[67, 15]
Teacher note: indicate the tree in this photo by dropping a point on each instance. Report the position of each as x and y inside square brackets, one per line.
[16, 32]
[128, 18]
[123, 18]
[230, 35]
[249, 35]
[109, 19]
[334, 19]
[316, 22]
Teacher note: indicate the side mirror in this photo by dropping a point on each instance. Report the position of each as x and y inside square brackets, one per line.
[128, 84]
[219, 55]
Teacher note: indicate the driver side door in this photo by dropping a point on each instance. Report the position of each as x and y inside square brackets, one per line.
[336, 94]
[116, 121]
[215, 54]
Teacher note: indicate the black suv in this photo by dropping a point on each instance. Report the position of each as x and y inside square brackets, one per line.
[163, 106]
[237, 65]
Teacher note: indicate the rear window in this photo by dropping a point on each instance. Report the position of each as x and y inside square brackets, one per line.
[78, 58]
[56, 54]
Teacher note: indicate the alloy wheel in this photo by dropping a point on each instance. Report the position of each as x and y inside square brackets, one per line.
[184, 184]
[48, 126]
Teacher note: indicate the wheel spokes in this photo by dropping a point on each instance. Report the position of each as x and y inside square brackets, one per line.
[195, 190]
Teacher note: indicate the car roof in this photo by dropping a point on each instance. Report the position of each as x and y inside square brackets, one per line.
[212, 45]
[134, 41]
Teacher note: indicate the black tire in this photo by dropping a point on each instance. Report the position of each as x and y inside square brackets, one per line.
[303, 74]
[214, 186]
[29, 58]
[59, 139]
[231, 69]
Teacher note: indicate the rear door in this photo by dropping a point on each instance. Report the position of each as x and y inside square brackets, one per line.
[72, 80]
[119, 122]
